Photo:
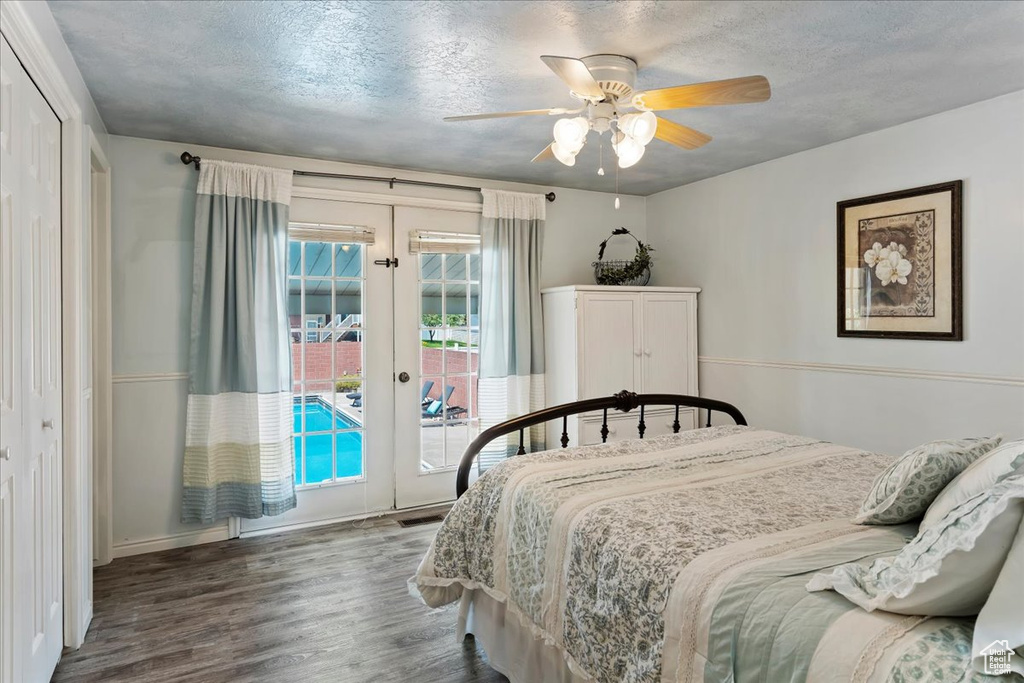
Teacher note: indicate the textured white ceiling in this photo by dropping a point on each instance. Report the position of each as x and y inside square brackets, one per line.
[370, 81]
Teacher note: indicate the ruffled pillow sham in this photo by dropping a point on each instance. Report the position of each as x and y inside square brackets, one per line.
[903, 492]
[948, 569]
[979, 475]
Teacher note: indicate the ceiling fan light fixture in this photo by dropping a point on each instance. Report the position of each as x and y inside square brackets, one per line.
[640, 126]
[628, 150]
[571, 133]
[566, 156]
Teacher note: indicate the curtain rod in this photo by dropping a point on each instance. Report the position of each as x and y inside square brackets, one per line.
[187, 158]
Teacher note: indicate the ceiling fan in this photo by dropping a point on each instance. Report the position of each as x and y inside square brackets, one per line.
[604, 84]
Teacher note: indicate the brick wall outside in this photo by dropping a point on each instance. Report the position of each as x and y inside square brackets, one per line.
[348, 359]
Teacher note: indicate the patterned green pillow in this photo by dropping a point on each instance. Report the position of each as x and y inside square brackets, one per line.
[904, 491]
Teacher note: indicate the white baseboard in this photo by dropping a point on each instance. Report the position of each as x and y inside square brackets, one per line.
[189, 538]
[180, 540]
[298, 526]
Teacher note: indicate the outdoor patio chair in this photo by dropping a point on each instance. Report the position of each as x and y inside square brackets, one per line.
[434, 409]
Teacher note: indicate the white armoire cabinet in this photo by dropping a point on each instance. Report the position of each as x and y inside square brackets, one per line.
[601, 340]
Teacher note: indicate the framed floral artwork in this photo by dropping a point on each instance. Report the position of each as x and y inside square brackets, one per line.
[900, 264]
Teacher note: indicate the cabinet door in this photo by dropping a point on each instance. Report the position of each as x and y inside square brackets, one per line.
[669, 344]
[609, 340]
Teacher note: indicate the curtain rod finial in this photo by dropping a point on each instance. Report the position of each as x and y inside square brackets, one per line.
[187, 158]
[550, 196]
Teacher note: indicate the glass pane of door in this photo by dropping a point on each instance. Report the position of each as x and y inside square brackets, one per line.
[325, 310]
[449, 358]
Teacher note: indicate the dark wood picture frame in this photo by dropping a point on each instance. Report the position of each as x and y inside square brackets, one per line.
[955, 247]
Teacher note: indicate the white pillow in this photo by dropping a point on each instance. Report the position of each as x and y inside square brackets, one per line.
[979, 475]
[1001, 620]
[946, 570]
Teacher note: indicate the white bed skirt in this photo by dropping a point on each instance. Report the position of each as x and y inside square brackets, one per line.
[511, 647]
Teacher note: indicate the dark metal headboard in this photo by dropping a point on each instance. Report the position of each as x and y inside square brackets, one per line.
[624, 401]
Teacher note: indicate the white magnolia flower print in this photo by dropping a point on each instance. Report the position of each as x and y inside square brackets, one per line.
[871, 255]
[889, 262]
[893, 268]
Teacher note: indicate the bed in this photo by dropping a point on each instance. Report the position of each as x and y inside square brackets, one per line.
[678, 558]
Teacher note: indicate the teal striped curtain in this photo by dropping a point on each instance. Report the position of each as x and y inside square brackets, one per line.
[239, 458]
[511, 319]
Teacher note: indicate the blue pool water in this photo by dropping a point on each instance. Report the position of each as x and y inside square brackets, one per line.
[348, 445]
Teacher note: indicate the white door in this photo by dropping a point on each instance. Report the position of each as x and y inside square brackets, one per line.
[437, 334]
[340, 309]
[31, 590]
[665, 339]
[610, 343]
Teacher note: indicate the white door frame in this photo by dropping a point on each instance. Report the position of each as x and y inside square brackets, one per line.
[102, 356]
[26, 42]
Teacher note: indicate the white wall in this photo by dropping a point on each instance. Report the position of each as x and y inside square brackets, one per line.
[761, 242]
[153, 207]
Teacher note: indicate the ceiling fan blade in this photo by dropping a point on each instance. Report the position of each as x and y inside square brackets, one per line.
[545, 154]
[679, 135]
[576, 75]
[503, 114]
[744, 90]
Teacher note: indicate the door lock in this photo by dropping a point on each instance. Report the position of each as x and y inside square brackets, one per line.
[403, 377]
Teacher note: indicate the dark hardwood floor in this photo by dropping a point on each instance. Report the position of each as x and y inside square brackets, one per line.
[326, 604]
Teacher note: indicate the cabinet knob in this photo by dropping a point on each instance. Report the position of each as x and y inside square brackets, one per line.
[48, 424]
[637, 353]
[5, 453]
[647, 352]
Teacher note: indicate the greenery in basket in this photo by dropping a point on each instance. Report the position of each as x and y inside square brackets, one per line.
[636, 268]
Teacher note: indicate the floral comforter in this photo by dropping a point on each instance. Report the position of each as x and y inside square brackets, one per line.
[684, 558]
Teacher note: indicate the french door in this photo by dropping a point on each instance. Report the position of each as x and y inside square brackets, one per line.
[437, 334]
[384, 325]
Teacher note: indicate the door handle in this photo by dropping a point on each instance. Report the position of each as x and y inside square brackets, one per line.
[48, 424]
[403, 377]
[5, 453]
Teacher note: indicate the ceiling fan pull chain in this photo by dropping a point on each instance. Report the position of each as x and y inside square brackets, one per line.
[616, 187]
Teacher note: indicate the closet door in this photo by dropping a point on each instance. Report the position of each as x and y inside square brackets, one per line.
[669, 343]
[30, 482]
[12, 404]
[609, 341]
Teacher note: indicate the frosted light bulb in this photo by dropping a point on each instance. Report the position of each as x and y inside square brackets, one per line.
[600, 171]
[616, 203]
[639, 126]
[566, 156]
[629, 151]
[571, 133]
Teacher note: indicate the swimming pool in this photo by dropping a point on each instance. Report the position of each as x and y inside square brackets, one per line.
[321, 417]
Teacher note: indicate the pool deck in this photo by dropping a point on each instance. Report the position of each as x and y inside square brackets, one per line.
[431, 436]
